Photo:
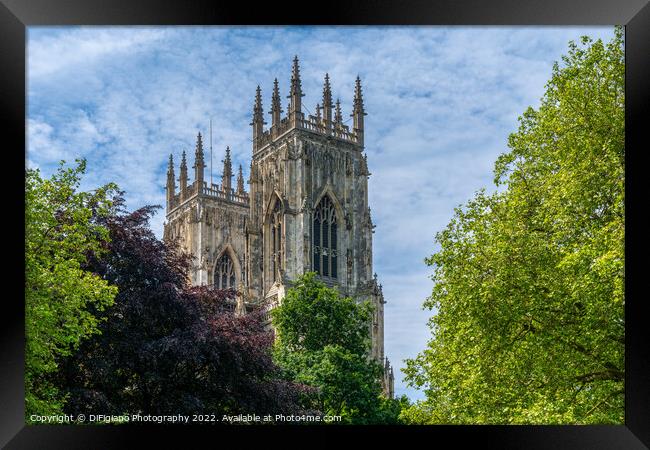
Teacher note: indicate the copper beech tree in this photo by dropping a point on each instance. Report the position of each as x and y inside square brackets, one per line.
[167, 347]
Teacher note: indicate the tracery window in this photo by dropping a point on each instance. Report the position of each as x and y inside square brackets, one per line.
[276, 240]
[224, 272]
[324, 239]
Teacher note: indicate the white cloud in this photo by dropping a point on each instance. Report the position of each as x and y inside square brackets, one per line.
[40, 142]
[68, 50]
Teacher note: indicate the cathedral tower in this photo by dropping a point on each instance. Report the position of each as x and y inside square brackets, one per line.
[307, 209]
[210, 222]
[309, 202]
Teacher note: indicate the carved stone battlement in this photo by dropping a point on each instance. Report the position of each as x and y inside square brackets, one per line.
[217, 192]
[312, 124]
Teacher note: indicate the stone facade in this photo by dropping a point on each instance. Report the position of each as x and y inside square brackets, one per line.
[306, 210]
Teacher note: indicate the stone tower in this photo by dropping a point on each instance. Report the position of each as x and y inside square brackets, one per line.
[307, 209]
[210, 222]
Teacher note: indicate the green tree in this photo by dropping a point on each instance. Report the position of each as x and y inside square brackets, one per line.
[529, 281]
[60, 296]
[323, 340]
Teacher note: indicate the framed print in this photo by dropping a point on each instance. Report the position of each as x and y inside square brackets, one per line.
[386, 219]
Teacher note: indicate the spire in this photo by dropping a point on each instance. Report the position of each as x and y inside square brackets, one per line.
[240, 182]
[276, 108]
[358, 111]
[338, 117]
[171, 183]
[198, 150]
[327, 92]
[363, 169]
[258, 117]
[226, 177]
[199, 163]
[318, 114]
[358, 96]
[295, 94]
[327, 104]
[170, 168]
[257, 109]
[183, 162]
[296, 86]
[183, 177]
[251, 173]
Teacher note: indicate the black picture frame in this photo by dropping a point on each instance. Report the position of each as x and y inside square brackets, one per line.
[16, 15]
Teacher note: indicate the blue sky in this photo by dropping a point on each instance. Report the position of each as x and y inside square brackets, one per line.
[441, 102]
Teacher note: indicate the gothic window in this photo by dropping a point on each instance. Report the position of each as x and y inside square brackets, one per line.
[276, 240]
[324, 251]
[224, 272]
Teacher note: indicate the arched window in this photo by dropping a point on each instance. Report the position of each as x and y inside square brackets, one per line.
[324, 251]
[276, 240]
[224, 272]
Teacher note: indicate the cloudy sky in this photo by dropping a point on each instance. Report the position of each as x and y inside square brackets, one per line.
[441, 102]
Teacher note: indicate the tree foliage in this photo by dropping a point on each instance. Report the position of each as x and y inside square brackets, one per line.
[529, 281]
[60, 296]
[168, 347]
[323, 340]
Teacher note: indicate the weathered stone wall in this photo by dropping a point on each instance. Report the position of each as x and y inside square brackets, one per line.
[298, 169]
[208, 227]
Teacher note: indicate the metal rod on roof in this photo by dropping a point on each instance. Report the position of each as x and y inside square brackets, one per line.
[210, 152]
